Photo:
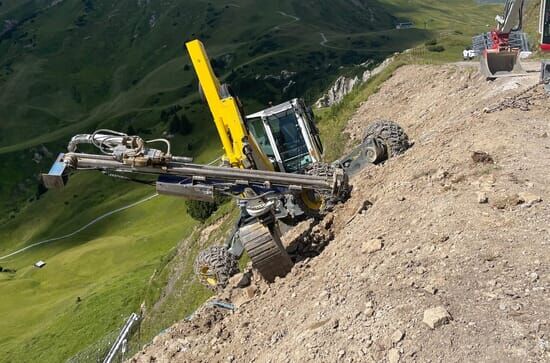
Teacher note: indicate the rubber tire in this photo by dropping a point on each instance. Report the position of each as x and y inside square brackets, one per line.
[391, 134]
[266, 251]
[219, 263]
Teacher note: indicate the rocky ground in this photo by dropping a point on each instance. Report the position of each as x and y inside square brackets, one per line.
[451, 261]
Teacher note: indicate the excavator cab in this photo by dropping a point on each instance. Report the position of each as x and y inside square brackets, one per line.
[287, 134]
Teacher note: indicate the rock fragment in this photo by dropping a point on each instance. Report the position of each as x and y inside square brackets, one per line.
[482, 157]
[369, 312]
[240, 280]
[372, 246]
[393, 355]
[506, 202]
[482, 197]
[250, 291]
[529, 198]
[397, 336]
[436, 317]
[430, 289]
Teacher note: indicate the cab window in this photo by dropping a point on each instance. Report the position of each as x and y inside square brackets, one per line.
[290, 141]
[257, 130]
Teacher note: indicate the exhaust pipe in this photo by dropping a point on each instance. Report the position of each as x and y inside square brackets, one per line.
[503, 63]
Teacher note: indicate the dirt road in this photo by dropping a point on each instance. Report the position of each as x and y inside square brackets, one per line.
[451, 262]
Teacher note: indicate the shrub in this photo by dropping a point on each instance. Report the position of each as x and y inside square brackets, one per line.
[180, 125]
[40, 190]
[436, 48]
[431, 42]
[131, 130]
[200, 210]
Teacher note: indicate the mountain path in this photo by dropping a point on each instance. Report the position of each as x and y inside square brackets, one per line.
[89, 224]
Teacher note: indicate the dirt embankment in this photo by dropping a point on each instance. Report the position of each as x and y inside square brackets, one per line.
[468, 237]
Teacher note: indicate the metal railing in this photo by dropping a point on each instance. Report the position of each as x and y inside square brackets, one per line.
[112, 347]
[120, 344]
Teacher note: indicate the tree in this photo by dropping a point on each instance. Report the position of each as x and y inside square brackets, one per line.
[175, 124]
[185, 125]
[164, 116]
[131, 131]
[180, 125]
[436, 48]
[200, 210]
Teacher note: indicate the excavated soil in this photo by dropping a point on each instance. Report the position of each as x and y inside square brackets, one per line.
[460, 222]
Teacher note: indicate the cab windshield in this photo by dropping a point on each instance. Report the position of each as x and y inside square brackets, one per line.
[290, 141]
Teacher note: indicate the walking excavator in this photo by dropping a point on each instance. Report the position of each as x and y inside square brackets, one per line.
[500, 49]
[272, 166]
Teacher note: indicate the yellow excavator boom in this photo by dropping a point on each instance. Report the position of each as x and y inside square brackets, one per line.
[240, 147]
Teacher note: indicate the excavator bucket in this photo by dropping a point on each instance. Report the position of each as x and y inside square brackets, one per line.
[495, 64]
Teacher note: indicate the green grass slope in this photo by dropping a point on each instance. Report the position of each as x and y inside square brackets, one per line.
[75, 65]
[78, 65]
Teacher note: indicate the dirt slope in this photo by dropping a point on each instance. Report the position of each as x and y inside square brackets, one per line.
[425, 242]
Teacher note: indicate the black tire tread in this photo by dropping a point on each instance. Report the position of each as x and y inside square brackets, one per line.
[220, 263]
[393, 135]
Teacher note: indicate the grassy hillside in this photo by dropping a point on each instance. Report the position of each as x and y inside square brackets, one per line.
[79, 65]
[72, 66]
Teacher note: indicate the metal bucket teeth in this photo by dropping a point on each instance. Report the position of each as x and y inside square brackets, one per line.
[501, 64]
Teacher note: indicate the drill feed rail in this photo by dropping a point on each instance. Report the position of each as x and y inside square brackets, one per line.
[201, 174]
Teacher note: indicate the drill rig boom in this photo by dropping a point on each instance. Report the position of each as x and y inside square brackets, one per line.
[241, 150]
[127, 155]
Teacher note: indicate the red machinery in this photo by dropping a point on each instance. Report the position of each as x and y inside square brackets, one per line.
[500, 57]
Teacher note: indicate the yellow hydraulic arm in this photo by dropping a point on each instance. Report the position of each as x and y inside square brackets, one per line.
[240, 147]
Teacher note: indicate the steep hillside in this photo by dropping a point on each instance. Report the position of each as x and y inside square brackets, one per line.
[71, 66]
[450, 261]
